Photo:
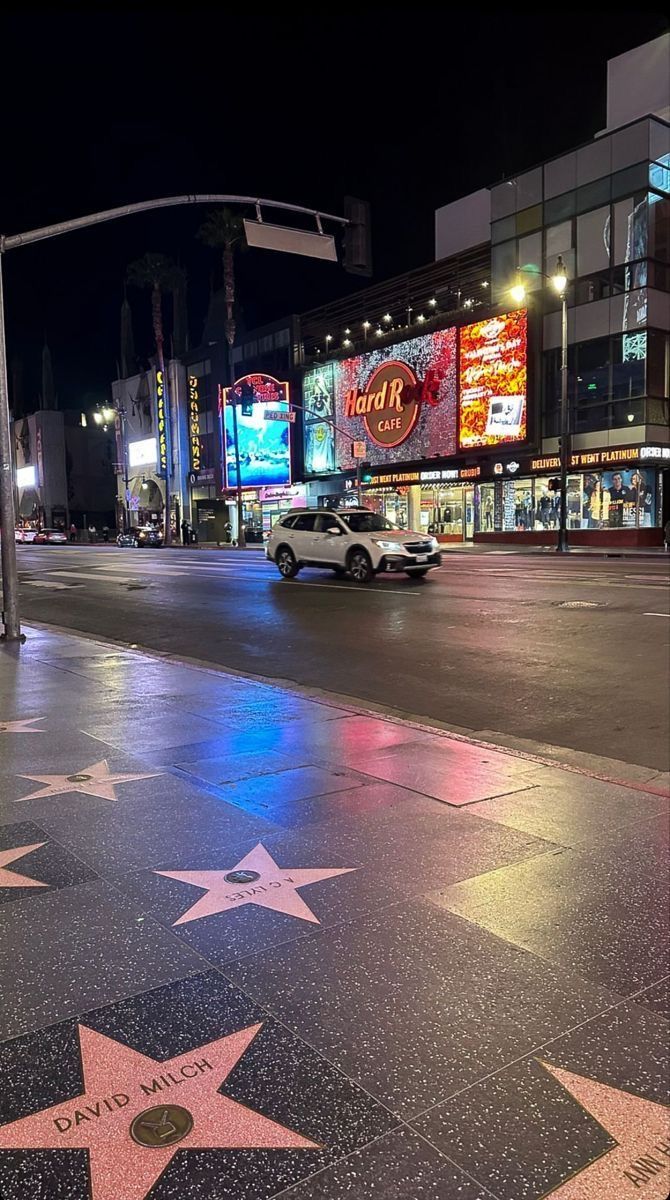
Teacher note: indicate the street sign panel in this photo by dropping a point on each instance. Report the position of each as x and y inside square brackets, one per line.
[358, 449]
[276, 414]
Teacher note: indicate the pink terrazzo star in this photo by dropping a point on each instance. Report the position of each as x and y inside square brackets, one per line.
[21, 726]
[640, 1163]
[255, 879]
[96, 780]
[13, 878]
[120, 1085]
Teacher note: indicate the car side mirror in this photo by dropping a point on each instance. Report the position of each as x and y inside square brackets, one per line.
[335, 530]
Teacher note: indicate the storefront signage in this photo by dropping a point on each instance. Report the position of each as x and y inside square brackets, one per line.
[493, 381]
[498, 468]
[263, 442]
[601, 458]
[162, 424]
[391, 402]
[513, 467]
[400, 400]
[194, 422]
[453, 474]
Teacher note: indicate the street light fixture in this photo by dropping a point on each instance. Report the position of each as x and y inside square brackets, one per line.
[559, 282]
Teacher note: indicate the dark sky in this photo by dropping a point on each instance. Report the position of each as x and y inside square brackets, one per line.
[407, 111]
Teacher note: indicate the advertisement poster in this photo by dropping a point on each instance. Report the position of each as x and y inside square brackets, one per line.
[400, 401]
[264, 441]
[614, 499]
[318, 398]
[493, 381]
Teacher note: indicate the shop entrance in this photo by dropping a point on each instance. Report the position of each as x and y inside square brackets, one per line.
[448, 512]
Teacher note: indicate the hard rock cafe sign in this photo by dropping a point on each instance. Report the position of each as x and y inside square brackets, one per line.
[391, 402]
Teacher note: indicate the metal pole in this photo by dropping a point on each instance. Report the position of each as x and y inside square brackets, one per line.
[562, 545]
[10, 579]
[241, 539]
[359, 494]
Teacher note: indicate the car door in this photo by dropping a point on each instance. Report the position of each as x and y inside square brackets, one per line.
[328, 547]
[301, 535]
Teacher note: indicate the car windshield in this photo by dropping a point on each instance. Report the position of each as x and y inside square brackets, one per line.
[366, 522]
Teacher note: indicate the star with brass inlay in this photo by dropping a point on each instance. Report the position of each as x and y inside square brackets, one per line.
[96, 780]
[134, 1113]
[640, 1162]
[255, 879]
[21, 726]
[13, 878]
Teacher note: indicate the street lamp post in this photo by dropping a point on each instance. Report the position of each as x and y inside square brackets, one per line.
[104, 416]
[559, 282]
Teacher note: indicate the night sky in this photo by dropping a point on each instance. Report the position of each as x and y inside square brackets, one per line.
[406, 111]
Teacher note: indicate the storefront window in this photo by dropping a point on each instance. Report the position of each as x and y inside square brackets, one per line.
[617, 499]
[443, 511]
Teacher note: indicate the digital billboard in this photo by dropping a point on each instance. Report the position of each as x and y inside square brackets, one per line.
[399, 400]
[142, 453]
[493, 381]
[261, 403]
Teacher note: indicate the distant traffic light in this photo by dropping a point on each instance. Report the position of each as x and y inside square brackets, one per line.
[366, 473]
[357, 239]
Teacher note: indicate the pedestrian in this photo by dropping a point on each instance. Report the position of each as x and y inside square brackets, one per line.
[73, 532]
[92, 533]
[105, 533]
[184, 533]
[194, 536]
[666, 532]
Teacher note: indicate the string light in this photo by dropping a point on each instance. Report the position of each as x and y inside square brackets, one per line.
[367, 324]
[387, 318]
[379, 331]
[346, 342]
[421, 318]
[347, 332]
[433, 303]
[485, 283]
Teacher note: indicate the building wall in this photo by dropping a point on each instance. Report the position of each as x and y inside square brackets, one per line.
[39, 441]
[462, 224]
[638, 83]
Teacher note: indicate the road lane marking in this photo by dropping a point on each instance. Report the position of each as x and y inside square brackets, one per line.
[97, 578]
[667, 615]
[52, 584]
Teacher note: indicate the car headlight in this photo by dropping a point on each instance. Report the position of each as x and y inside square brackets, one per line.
[391, 546]
[434, 543]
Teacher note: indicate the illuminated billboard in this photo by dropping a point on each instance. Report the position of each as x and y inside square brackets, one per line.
[400, 401]
[260, 402]
[493, 380]
[142, 453]
[26, 477]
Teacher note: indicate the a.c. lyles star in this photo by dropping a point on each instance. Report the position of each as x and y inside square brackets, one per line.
[169, 1106]
[96, 780]
[255, 879]
[639, 1164]
[12, 879]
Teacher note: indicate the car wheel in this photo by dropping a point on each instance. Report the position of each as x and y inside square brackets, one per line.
[286, 563]
[360, 566]
[417, 574]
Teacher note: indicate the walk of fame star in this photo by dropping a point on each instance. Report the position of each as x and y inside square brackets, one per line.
[641, 1160]
[13, 878]
[21, 726]
[255, 879]
[135, 1113]
[96, 780]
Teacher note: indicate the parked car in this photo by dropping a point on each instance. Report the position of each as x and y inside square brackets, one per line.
[356, 541]
[144, 535]
[25, 536]
[50, 537]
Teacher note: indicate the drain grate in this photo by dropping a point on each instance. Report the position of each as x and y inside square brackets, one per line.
[581, 604]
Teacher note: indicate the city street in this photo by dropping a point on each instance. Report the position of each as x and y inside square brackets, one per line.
[570, 652]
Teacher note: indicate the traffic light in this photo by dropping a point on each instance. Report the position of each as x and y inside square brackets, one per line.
[357, 240]
[366, 473]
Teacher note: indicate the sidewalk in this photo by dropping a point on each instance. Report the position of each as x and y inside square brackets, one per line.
[324, 954]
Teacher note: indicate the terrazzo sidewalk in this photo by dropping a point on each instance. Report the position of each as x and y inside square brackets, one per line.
[254, 945]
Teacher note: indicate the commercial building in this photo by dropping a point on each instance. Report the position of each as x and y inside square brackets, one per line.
[452, 392]
[64, 471]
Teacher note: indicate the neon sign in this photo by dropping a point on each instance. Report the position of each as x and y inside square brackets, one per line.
[162, 424]
[194, 423]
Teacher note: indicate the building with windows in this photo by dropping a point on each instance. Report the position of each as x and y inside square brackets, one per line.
[471, 451]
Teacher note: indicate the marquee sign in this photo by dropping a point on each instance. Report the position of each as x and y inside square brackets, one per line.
[162, 424]
[194, 422]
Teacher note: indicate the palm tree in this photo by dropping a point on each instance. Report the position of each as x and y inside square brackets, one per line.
[157, 272]
[223, 230]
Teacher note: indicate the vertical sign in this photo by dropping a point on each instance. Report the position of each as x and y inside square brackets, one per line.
[162, 424]
[194, 423]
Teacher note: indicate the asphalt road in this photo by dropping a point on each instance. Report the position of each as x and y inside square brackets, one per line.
[484, 644]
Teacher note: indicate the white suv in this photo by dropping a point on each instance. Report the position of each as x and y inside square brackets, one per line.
[356, 540]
